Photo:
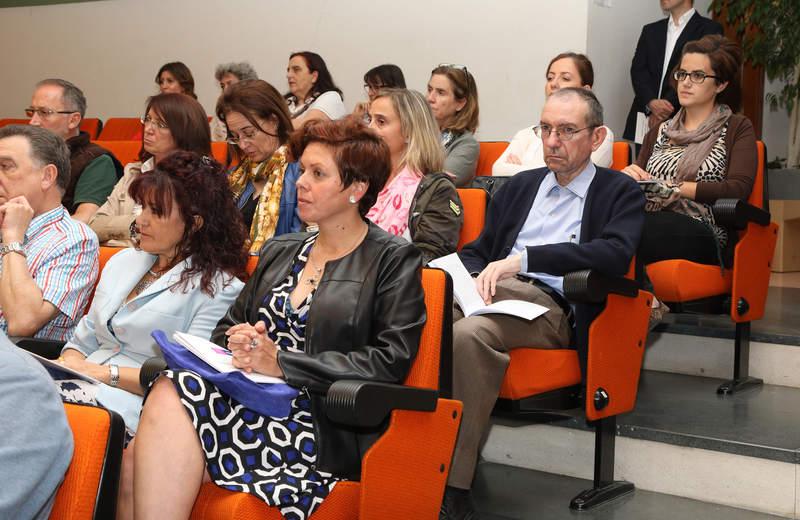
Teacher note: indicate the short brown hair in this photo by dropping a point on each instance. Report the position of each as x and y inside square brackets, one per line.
[256, 98]
[726, 62]
[186, 120]
[360, 154]
[464, 87]
[582, 63]
[182, 75]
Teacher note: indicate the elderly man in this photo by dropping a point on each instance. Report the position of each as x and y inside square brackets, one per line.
[544, 223]
[59, 106]
[49, 261]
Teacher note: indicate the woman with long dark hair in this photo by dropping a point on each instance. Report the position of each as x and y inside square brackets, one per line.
[312, 92]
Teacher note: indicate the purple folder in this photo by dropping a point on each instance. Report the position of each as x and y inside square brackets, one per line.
[272, 400]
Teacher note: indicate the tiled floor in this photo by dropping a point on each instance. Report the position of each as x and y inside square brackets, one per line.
[505, 493]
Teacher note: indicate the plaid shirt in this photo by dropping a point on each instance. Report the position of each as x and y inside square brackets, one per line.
[62, 258]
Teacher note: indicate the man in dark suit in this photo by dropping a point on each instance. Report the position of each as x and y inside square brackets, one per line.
[541, 225]
[657, 53]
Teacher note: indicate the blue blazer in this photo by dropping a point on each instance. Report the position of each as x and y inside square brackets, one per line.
[115, 332]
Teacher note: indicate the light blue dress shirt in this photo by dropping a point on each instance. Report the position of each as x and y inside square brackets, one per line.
[555, 217]
[116, 332]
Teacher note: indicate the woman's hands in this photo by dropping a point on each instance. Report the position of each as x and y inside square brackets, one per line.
[252, 350]
[77, 362]
[636, 173]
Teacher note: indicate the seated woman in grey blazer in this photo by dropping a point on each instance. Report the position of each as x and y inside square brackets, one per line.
[181, 277]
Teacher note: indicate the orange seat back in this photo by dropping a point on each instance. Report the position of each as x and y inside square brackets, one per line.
[474, 203]
[121, 129]
[125, 151]
[90, 485]
[438, 304]
[90, 125]
[13, 121]
[219, 149]
[621, 155]
[490, 151]
[105, 253]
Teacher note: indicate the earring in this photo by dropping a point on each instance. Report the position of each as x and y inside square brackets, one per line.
[352, 199]
[135, 237]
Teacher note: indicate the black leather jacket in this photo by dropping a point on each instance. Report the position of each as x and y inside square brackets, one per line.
[365, 322]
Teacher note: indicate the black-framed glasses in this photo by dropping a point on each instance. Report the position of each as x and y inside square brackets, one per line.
[696, 76]
[564, 133]
[46, 112]
[155, 123]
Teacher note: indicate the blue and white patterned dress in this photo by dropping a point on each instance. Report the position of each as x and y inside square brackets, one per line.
[273, 459]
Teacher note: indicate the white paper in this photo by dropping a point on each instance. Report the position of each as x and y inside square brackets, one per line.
[642, 127]
[470, 301]
[219, 358]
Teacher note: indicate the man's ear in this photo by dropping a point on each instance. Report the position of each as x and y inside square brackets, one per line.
[49, 177]
[74, 121]
[598, 136]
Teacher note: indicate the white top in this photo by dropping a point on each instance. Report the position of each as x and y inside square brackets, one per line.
[528, 147]
[673, 33]
[329, 103]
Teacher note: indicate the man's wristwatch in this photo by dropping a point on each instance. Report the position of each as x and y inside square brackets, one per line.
[12, 247]
[113, 370]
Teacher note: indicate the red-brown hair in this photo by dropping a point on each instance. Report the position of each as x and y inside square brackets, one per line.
[198, 185]
[726, 62]
[360, 154]
[187, 122]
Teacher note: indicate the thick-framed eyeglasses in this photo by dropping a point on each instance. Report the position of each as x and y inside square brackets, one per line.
[247, 134]
[696, 76]
[155, 123]
[564, 133]
[46, 112]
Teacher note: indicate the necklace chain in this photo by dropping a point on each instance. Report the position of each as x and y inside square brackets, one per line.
[317, 277]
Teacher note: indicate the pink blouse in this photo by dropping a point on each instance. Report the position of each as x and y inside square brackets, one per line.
[390, 211]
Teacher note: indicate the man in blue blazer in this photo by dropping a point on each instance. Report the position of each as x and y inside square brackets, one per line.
[657, 53]
[541, 225]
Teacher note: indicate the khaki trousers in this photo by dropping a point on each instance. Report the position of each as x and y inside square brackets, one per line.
[480, 358]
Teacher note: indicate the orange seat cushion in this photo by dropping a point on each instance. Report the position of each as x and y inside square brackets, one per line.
[683, 281]
[534, 371]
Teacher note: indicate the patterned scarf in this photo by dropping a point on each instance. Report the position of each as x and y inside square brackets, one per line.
[267, 211]
[698, 141]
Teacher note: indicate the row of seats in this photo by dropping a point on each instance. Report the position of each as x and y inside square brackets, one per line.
[128, 151]
[90, 125]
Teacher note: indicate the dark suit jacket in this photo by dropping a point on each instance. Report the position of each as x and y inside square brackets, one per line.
[648, 63]
[611, 225]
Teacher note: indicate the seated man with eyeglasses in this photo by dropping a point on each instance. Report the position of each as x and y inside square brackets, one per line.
[49, 260]
[541, 225]
[59, 106]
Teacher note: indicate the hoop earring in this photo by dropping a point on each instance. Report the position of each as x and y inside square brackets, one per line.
[135, 237]
[352, 199]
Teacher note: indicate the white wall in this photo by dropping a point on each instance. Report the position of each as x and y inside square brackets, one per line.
[112, 49]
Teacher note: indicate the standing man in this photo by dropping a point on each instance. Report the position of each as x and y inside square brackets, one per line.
[59, 106]
[657, 53]
[48, 261]
[540, 225]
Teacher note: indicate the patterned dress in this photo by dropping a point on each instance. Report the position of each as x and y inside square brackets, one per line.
[271, 458]
[663, 164]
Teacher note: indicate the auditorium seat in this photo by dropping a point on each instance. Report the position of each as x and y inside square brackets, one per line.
[474, 202]
[121, 129]
[219, 149]
[90, 125]
[125, 151]
[490, 151]
[740, 291]
[621, 155]
[405, 471]
[89, 489]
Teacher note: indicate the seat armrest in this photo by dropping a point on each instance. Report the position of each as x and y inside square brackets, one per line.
[368, 404]
[590, 286]
[735, 213]
[150, 369]
[47, 348]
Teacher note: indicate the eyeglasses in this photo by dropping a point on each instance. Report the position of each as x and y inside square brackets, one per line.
[155, 123]
[372, 88]
[696, 76]
[453, 66]
[564, 133]
[248, 133]
[46, 112]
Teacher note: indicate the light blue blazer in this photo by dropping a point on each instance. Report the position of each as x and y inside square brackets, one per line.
[115, 332]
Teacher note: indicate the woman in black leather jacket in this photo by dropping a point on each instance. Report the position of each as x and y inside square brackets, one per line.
[343, 303]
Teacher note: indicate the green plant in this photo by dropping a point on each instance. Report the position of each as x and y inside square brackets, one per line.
[770, 33]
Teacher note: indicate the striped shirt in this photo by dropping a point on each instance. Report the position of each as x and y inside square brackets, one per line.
[62, 258]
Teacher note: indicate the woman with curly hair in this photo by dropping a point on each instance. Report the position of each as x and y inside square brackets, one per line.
[180, 277]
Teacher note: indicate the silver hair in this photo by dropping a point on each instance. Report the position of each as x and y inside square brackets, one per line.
[594, 110]
[241, 70]
[72, 95]
[46, 148]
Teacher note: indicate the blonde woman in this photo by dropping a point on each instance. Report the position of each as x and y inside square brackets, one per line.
[419, 202]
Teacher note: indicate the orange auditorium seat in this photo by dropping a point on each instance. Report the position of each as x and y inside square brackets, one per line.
[489, 153]
[121, 129]
[474, 202]
[219, 149]
[125, 151]
[622, 155]
[90, 125]
[739, 291]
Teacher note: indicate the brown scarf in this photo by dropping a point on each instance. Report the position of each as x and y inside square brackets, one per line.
[699, 141]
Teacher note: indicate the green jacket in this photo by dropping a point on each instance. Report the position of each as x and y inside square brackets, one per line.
[435, 217]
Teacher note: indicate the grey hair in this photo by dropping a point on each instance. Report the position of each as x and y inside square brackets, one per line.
[594, 110]
[46, 148]
[241, 70]
[72, 95]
